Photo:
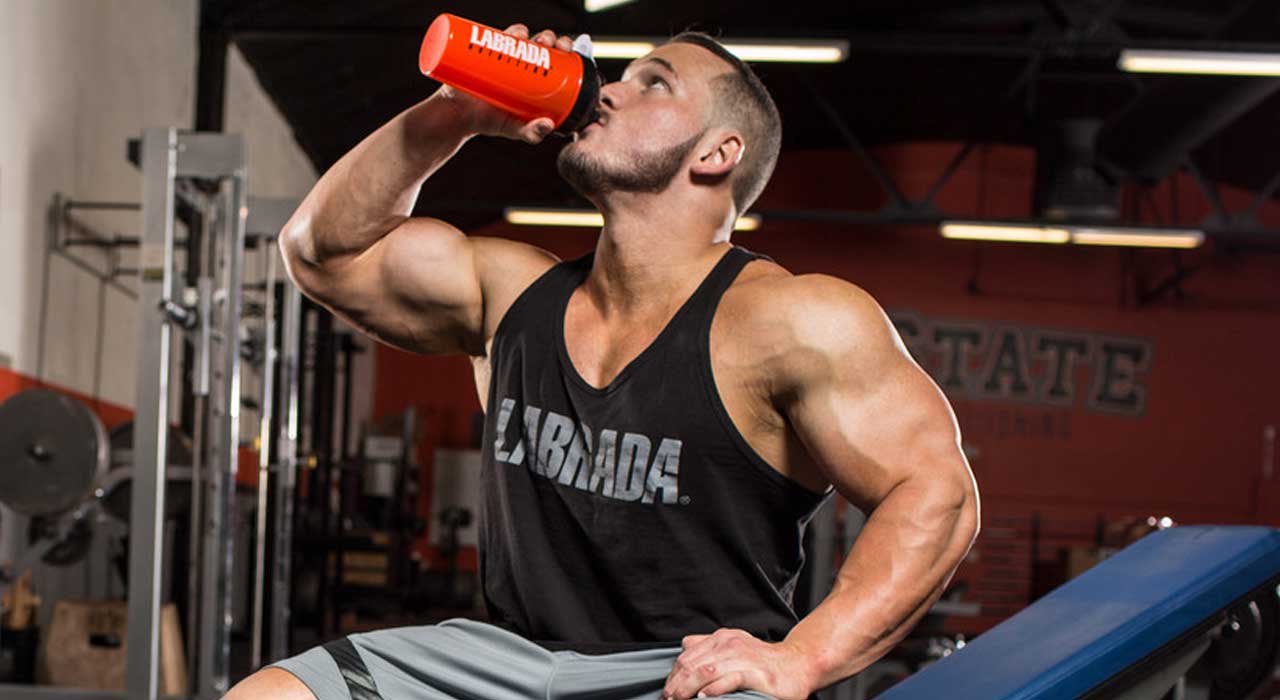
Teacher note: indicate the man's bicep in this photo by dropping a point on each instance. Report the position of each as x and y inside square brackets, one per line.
[868, 438]
[416, 288]
[455, 288]
[871, 418]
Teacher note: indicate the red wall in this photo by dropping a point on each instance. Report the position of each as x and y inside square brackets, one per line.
[110, 414]
[1195, 452]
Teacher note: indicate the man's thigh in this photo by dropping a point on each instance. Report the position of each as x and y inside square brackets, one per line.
[454, 660]
[468, 660]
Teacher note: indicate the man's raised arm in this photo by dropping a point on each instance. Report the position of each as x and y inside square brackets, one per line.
[417, 283]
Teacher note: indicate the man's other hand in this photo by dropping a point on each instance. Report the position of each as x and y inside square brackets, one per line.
[729, 660]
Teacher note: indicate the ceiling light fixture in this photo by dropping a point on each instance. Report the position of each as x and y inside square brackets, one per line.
[620, 48]
[552, 217]
[540, 216]
[1139, 238]
[754, 50]
[977, 231]
[600, 5]
[1199, 62]
[791, 51]
[1135, 237]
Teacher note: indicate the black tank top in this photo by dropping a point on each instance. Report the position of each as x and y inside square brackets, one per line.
[632, 515]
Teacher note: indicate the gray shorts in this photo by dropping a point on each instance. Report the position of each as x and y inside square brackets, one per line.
[469, 660]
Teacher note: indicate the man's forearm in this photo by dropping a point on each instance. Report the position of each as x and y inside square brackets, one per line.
[373, 188]
[897, 568]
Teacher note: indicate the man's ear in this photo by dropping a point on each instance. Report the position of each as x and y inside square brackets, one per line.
[721, 156]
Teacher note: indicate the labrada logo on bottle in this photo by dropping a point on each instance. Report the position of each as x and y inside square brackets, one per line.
[527, 51]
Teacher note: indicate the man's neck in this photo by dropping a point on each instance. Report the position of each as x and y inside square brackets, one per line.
[651, 257]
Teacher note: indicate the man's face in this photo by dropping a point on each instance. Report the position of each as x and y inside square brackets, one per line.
[651, 119]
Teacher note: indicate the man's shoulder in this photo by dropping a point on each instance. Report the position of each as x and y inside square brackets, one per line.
[807, 330]
[770, 302]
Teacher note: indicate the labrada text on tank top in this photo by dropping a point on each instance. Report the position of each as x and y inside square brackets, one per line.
[612, 463]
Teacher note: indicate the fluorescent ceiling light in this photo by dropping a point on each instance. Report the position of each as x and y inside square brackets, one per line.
[790, 51]
[582, 217]
[759, 51]
[1199, 62]
[598, 5]
[1081, 235]
[1140, 238]
[973, 231]
[553, 217]
[620, 48]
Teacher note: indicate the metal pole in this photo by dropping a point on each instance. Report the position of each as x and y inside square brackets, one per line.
[195, 586]
[53, 233]
[286, 473]
[343, 345]
[151, 421]
[199, 388]
[223, 412]
[267, 404]
[401, 542]
[322, 445]
[69, 204]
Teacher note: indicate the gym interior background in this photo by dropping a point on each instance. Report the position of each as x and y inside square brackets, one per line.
[1103, 391]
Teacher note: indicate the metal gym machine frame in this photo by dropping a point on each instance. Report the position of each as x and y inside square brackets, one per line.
[205, 171]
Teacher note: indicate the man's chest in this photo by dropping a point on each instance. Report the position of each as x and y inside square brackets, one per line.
[607, 356]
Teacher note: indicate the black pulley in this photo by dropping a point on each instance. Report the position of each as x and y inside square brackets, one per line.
[1241, 660]
[177, 498]
[52, 451]
[69, 547]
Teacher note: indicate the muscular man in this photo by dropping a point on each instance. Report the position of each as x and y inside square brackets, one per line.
[663, 416]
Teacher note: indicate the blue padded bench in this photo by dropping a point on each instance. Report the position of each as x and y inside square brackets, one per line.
[1127, 628]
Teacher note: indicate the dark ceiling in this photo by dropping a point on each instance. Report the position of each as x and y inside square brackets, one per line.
[918, 70]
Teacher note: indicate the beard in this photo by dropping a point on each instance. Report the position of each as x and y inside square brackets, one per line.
[645, 171]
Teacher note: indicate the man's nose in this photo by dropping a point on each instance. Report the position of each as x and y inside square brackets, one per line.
[611, 94]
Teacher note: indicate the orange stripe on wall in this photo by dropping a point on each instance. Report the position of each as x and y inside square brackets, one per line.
[110, 414]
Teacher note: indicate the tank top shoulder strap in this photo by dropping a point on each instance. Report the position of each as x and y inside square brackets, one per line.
[545, 295]
[707, 298]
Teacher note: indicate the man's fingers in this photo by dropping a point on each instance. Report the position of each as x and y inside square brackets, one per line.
[546, 37]
[693, 640]
[710, 663]
[537, 130]
[709, 680]
[690, 674]
[699, 658]
[723, 685]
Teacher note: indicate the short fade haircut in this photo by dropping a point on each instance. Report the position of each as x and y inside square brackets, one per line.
[743, 102]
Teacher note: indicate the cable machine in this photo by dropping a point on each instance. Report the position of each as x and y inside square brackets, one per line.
[193, 289]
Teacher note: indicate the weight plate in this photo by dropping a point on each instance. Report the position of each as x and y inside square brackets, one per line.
[52, 451]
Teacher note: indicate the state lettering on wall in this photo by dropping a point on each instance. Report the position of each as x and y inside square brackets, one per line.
[990, 361]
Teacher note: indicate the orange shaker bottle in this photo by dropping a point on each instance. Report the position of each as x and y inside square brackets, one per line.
[521, 77]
